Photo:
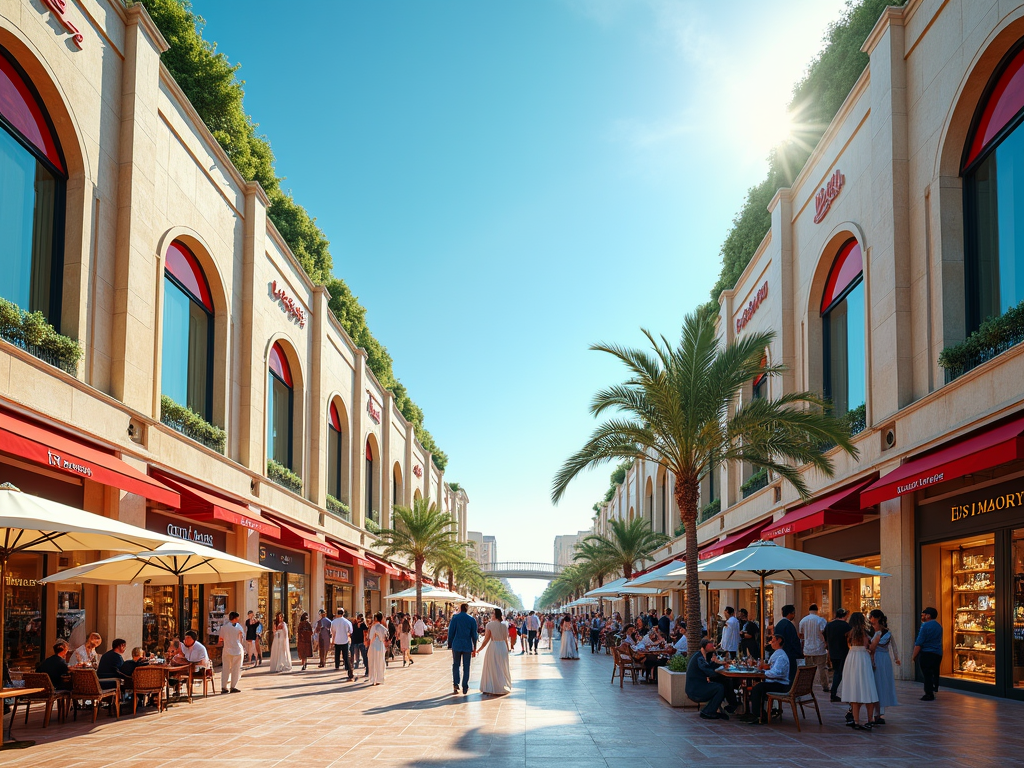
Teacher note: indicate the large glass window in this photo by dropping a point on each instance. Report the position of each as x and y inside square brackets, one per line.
[842, 314]
[32, 181]
[369, 484]
[187, 333]
[334, 453]
[279, 409]
[994, 198]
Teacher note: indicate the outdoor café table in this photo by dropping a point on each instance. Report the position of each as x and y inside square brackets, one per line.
[6, 739]
[168, 669]
[747, 679]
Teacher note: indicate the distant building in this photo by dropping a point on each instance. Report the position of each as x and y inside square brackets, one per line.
[565, 547]
[477, 540]
[489, 553]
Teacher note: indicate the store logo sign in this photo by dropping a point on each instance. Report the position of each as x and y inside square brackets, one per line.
[417, 470]
[828, 193]
[372, 408]
[752, 307]
[338, 574]
[920, 482]
[288, 304]
[59, 8]
[12, 581]
[993, 504]
[55, 460]
[188, 533]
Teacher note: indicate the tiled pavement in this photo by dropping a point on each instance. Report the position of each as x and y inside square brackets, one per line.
[564, 714]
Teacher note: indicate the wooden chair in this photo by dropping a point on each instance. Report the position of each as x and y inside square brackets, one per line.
[85, 686]
[148, 681]
[803, 686]
[623, 663]
[202, 675]
[49, 697]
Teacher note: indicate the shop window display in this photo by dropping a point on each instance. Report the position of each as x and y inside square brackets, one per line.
[23, 622]
[864, 595]
[1018, 609]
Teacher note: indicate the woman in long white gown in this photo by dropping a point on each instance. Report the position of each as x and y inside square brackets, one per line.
[377, 639]
[495, 677]
[281, 650]
[569, 643]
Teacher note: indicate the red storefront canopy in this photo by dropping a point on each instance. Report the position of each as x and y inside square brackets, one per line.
[61, 453]
[383, 566]
[982, 450]
[731, 543]
[304, 539]
[350, 555]
[201, 504]
[840, 507]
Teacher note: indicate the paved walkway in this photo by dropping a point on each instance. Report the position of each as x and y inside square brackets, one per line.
[563, 714]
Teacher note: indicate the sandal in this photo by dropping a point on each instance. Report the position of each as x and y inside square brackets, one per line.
[859, 727]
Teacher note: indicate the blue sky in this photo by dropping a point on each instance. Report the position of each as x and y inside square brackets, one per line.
[505, 183]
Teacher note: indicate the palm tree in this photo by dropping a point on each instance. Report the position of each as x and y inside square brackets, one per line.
[418, 534]
[595, 561]
[627, 544]
[679, 408]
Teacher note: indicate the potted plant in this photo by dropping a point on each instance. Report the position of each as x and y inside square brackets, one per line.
[672, 682]
[422, 646]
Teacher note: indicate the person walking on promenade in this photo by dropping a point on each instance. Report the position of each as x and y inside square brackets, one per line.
[596, 625]
[323, 636]
[858, 676]
[750, 636]
[304, 639]
[232, 642]
[790, 638]
[512, 632]
[549, 632]
[462, 637]
[378, 637]
[341, 629]
[731, 633]
[570, 641]
[358, 643]
[835, 639]
[495, 677]
[252, 639]
[281, 650]
[405, 640]
[532, 631]
[928, 650]
[812, 635]
[522, 636]
[884, 655]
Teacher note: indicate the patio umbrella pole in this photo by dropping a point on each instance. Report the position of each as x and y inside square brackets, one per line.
[181, 607]
[3, 616]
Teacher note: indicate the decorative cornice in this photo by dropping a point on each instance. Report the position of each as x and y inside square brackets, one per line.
[137, 14]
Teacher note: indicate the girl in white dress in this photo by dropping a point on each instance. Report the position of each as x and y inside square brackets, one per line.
[570, 644]
[377, 638]
[549, 631]
[281, 650]
[858, 686]
[885, 677]
[496, 677]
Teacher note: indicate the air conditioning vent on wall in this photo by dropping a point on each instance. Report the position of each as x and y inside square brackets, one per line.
[888, 434]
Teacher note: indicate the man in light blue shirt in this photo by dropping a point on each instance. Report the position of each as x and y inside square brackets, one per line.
[928, 649]
[776, 680]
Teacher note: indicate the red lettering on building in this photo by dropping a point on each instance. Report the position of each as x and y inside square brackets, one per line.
[372, 408]
[828, 193]
[417, 470]
[288, 304]
[752, 306]
[59, 9]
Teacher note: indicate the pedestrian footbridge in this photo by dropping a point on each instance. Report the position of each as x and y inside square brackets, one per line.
[520, 570]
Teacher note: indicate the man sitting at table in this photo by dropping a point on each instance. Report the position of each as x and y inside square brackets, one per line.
[651, 645]
[138, 659]
[111, 663]
[56, 666]
[776, 680]
[701, 682]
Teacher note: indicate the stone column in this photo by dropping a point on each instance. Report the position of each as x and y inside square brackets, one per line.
[248, 422]
[899, 589]
[315, 472]
[358, 453]
[387, 470]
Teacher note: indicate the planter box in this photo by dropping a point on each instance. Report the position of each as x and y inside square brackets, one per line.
[672, 688]
[424, 649]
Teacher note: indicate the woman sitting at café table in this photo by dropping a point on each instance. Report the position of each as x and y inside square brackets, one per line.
[652, 648]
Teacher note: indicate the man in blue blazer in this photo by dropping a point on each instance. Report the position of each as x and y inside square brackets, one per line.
[462, 634]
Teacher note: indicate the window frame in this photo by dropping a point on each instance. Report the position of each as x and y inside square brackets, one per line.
[291, 417]
[210, 337]
[335, 438]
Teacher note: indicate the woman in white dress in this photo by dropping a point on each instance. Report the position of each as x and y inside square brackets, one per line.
[570, 644]
[858, 686]
[885, 655]
[496, 677]
[281, 650]
[378, 639]
[549, 632]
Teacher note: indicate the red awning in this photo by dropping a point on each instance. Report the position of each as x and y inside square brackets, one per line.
[61, 453]
[350, 555]
[982, 450]
[304, 539]
[840, 507]
[202, 504]
[382, 566]
[731, 543]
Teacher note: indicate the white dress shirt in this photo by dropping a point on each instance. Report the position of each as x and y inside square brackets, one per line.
[419, 628]
[233, 636]
[341, 628]
[812, 627]
[197, 654]
[731, 634]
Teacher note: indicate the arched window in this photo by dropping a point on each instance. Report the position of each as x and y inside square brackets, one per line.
[842, 316]
[279, 408]
[187, 369]
[32, 188]
[993, 173]
[369, 482]
[334, 453]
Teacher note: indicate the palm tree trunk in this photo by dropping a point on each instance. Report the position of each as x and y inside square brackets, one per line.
[451, 581]
[627, 571]
[687, 494]
[419, 585]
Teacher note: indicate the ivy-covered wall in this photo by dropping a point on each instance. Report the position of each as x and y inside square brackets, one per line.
[210, 83]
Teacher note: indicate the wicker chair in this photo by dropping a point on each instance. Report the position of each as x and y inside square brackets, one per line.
[148, 681]
[802, 687]
[85, 686]
[623, 663]
[202, 675]
[49, 697]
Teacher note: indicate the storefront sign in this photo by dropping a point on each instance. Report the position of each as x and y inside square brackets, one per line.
[372, 408]
[59, 8]
[828, 193]
[417, 470]
[371, 583]
[13, 581]
[288, 304]
[186, 530]
[920, 482]
[991, 504]
[282, 559]
[752, 307]
[75, 467]
[338, 573]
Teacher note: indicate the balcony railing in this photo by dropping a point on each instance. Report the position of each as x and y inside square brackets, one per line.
[64, 362]
[283, 476]
[709, 511]
[757, 481]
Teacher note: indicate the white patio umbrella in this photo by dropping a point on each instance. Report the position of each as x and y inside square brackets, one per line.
[176, 562]
[31, 524]
[438, 594]
[483, 604]
[765, 558]
[611, 588]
